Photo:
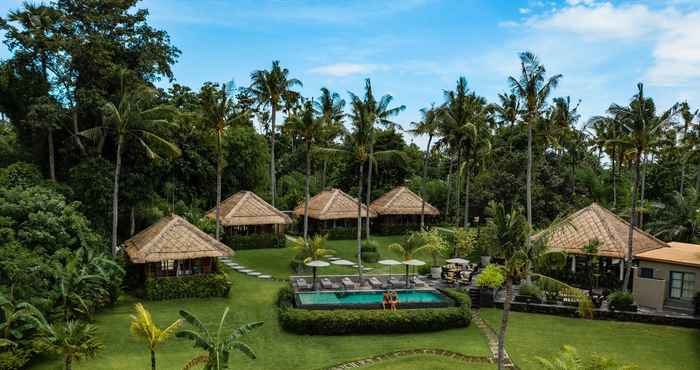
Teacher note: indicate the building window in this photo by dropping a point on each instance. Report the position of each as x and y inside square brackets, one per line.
[167, 265]
[646, 272]
[682, 285]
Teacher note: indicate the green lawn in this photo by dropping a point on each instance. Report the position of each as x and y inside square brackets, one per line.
[647, 346]
[253, 300]
[427, 362]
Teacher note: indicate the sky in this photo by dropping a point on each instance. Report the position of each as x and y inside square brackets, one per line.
[415, 49]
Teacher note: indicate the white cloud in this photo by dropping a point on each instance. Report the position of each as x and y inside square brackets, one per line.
[524, 10]
[346, 69]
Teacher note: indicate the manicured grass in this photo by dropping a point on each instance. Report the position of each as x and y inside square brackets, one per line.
[253, 300]
[427, 362]
[276, 261]
[645, 345]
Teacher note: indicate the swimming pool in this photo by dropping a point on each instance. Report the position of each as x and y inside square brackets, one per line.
[371, 299]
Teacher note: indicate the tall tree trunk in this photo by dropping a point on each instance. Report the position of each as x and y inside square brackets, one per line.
[52, 166]
[633, 218]
[614, 179]
[76, 129]
[273, 177]
[153, 360]
[529, 180]
[449, 187]
[573, 173]
[323, 174]
[306, 193]
[682, 190]
[218, 187]
[115, 195]
[68, 363]
[132, 218]
[425, 179]
[359, 222]
[458, 192]
[369, 183]
[504, 324]
[466, 199]
[642, 193]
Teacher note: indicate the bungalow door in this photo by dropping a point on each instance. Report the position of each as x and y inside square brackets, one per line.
[682, 285]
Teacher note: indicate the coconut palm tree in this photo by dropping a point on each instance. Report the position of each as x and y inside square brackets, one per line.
[307, 126]
[508, 233]
[143, 326]
[74, 340]
[133, 120]
[271, 89]
[219, 345]
[409, 247]
[507, 110]
[533, 88]
[219, 113]
[642, 133]
[428, 125]
[330, 106]
[688, 117]
[312, 250]
[679, 218]
[607, 134]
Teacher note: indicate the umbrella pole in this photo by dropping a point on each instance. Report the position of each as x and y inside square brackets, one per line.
[313, 286]
[406, 276]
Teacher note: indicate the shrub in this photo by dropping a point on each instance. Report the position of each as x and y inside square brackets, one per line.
[391, 229]
[339, 322]
[16, 358]
[20, 174]
[199, 286]
[370, 252]
[530, 291]
[424, 270]
[621, 301]
[339, 233]
[254, 241]
[492, 277]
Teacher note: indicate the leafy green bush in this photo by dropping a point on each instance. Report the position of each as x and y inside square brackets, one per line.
[621, 301]
[199, 286]
[531, 291]
[392, 229]
[254, 241]
[339, 322]
[490, 277]
[14, 359]
[424, 270]
[20, 174]
[339, 233]
[370, 252]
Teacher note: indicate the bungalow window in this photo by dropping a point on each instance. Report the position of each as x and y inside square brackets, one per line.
[167, 265]
[682, 285]
[646, 272]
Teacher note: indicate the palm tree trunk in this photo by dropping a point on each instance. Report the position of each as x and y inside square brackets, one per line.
[273, 180]
[466, 199]
[423, 185]
[449, 187]
[504, 324]
[153, 360]
[369, 183]
[458, 193]
[67, 363]
[115, 195]
[529, 180]
[323, 174]
[682, 177]
[132, 218]
[218, 189]
[78, 141]
[614, 180]
[630, 235]
[306, 193]
[642, 192]
[52, 166]
[359, 222]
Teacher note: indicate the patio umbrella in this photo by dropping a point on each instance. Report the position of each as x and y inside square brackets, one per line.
[389, 263]
[314, 264]
[458, 261]
[342, 263]
[412, 262]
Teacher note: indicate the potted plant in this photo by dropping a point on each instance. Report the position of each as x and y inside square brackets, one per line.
[488, 280]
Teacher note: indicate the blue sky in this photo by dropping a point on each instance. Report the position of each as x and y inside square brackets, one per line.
[414, 49]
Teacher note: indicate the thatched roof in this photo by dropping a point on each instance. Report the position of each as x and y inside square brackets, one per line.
[597, 223]
[332, 204]
[683, 254]
[246, 208]
[401, 201]
[173, 238]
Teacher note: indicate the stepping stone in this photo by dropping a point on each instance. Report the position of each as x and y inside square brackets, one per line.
[264, 277]
[239, 268]
[254, 273]
[245, 271]
[333, 258]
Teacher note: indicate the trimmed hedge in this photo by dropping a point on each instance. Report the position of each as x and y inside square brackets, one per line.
[340, 233]
[254, 241]
[340, 322]
[199, 286]
[621, 301]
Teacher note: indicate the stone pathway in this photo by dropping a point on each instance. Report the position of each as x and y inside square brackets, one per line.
[492, 339]
[392, 355]
[246, 271]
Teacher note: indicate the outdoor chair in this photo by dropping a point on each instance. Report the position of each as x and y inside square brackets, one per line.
[418, 282]
[395, 283]
[347, 283]
[303, 285]
[326, 283]
[375, 283]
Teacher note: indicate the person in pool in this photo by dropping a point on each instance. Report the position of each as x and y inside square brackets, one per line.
[394, 300]
[387, 299]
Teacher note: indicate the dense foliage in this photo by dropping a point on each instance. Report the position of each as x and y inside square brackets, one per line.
[199, 286]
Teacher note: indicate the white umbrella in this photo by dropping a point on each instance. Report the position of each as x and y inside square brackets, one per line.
[314, 264]
[343, 263]
[389, 263]
[413, 262]
[457, 261]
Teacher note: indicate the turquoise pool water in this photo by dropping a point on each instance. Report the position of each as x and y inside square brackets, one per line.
[374, 297]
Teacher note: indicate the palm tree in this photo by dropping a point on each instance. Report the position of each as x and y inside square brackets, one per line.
[563, 117]
[679, 218]
[134, 119]
[143, 326]
[307, 126]
[428, 125]
[688, 117]
[570, 359]
[219, 113]
[218, 346]
[329, 106]
[271, 89]
[18, 319]
[507, 110]
[607, 134]
[642, 133]
[378, 113]
[312, 250]
[74, 340]
[410, 246]
[533, 87]
[509, 232]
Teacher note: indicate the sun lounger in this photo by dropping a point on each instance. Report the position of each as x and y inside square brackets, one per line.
[326, 283]
[395, 283]
[418, 282]
[347, 283]
[375, 283]
[302, 284]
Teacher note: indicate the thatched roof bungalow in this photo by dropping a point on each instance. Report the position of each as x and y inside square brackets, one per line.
[331, 209]
[175, 247]
[245, 212]
[399, 210]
